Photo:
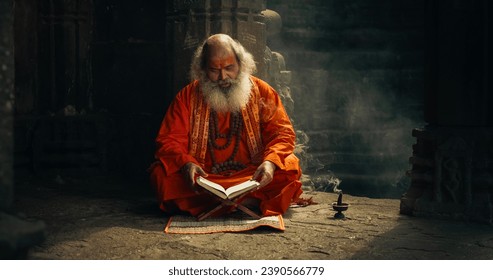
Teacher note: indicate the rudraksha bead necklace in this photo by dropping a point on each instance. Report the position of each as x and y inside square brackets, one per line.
[235, 128]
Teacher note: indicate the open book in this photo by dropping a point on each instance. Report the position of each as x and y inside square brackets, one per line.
[231, 192]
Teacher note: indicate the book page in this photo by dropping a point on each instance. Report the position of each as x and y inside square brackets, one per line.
[236, 190]
[231, 192]
[212, 187]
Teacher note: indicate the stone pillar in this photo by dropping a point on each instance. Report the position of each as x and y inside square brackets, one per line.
[6, 103]
[16, 235]
[188, 23]
[452, 162]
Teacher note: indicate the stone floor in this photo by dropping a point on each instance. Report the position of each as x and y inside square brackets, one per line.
[103, 218]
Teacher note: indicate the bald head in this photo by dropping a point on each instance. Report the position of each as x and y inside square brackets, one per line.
[220, 40]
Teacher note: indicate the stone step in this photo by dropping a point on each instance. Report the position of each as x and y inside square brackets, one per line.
[358, 113]
[356, 99]
[364, 158]
[319, 119]
[354, 38]
[338, 14]
[352, 59]
[378, 185]
[365, 162]
[383, 141]
[330, 83]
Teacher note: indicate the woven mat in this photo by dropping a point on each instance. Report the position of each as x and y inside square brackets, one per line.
[190, 225]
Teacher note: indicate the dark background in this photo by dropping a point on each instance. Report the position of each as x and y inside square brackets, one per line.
[93, 80]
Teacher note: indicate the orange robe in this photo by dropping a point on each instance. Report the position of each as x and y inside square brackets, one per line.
[178, 145]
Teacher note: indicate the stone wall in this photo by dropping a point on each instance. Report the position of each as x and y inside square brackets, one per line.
[90, 85]
[357, 83]
[6, 102]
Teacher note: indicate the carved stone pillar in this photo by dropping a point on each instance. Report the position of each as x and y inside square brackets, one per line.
[452, 162]
[190, 22]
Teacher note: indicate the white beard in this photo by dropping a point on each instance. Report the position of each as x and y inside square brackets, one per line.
[230, 99]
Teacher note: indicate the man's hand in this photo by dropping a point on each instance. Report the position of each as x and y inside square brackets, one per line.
[191, 171]
[264, 173]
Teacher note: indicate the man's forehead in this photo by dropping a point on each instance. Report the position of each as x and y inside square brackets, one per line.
[221, 54]
[223, 60]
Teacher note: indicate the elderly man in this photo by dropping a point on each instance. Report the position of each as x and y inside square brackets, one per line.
[228, 126]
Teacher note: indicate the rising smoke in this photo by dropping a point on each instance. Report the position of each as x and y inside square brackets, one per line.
[354, 106]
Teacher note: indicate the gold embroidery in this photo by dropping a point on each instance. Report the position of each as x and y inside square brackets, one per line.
[199, 120]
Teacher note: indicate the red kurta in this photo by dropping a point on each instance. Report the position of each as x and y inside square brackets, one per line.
[277, 144]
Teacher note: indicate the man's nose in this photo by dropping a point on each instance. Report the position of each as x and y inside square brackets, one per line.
[222, 74]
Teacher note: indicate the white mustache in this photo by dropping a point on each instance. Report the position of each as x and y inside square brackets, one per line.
[230, 98]
[227, 81]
